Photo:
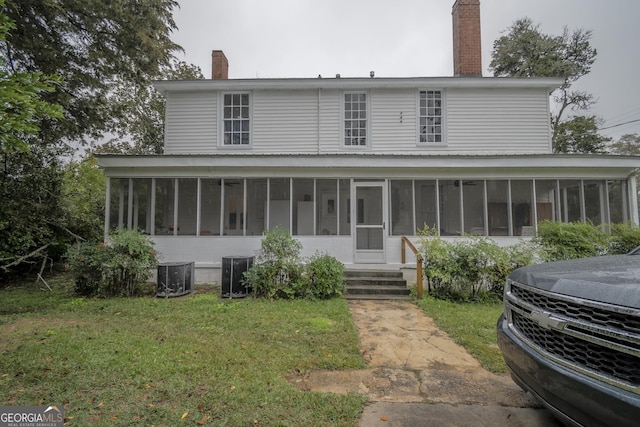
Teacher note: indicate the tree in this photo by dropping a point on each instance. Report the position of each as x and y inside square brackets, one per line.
[94, 47]
[83, 199]
[579, 135]
[22, 109]
[29, 208]
[525, 52]
[628, 145]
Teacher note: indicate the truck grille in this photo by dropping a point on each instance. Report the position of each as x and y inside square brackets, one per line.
[598, 340]
[589, 356]
[606, 318]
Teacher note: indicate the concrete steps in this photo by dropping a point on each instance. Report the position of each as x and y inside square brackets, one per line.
[376, 285]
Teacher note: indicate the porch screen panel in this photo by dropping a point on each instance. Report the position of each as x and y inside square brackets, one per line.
[618, 206]
[256, 206]
[497, 207]
[570, 203]
[450, 207]
[164, 221]
[233, 207]
[594, 202]
[327, 207]
[521, 205]
[142, 205]
[344, 216]
[279, 203]
[426, 204]
[119, 203]
[546, 199]
[473, 202]
[210, 202]
[303, 201]
[187, 206]
[401, 208]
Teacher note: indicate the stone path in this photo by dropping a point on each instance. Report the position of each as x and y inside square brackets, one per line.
[416, 368]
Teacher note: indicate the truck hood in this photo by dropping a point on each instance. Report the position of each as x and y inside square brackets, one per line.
[609, 279]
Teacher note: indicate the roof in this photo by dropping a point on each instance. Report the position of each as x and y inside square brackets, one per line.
[549, 84]
[543, 166]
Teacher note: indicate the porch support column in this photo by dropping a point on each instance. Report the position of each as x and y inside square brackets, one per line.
[107, 208]
[633, 199]
[152, 208]
[130, 204]
[534, 206]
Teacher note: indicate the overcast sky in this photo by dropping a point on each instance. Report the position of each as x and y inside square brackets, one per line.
[405, 38]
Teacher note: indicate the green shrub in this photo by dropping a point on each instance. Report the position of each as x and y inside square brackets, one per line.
[277, 273]
[439, 270]
[624, 238]
[131, 260]
[280, 274]
[116, 268]
[324, 277]
[470, 269]
[278, 245]
[560, 241]
[475, 268]
[86, 262]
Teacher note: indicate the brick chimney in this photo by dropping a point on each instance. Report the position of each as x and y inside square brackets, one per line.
[219, 65]
[467, 49]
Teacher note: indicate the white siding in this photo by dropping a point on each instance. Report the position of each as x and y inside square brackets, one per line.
[330, 137]
[190, 123]
[497, 121]
[478, 121]
[393, 121]
[285, 122]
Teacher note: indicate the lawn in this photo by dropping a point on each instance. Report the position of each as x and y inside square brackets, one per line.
[472, 325]
[193, 360]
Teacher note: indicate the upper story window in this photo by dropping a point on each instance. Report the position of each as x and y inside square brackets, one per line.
[355, 119]
[237, 122]
[431, 117]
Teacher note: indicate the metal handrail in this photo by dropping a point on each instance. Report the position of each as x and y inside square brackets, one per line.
[407, 242]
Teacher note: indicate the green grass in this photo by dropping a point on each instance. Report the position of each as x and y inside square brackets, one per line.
[472, 325]
[193, 360]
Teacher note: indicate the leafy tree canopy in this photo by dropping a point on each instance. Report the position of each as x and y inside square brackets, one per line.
[21, 103]
[93, 45]
[83, 199]
[523, 51]
[628, 145]
[579, 135]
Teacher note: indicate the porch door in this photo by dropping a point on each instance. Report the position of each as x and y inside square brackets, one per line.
[369, 214]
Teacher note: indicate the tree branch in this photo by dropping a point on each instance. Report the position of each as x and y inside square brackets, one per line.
[23, 258]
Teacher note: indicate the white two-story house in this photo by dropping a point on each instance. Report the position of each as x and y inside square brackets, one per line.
[350, 165]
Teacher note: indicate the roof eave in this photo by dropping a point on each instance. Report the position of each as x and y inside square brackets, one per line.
[549, 84]
[372, 161]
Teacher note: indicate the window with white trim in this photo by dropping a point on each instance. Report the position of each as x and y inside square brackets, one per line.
[237, 121]
[355, 119]
[431, 117]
